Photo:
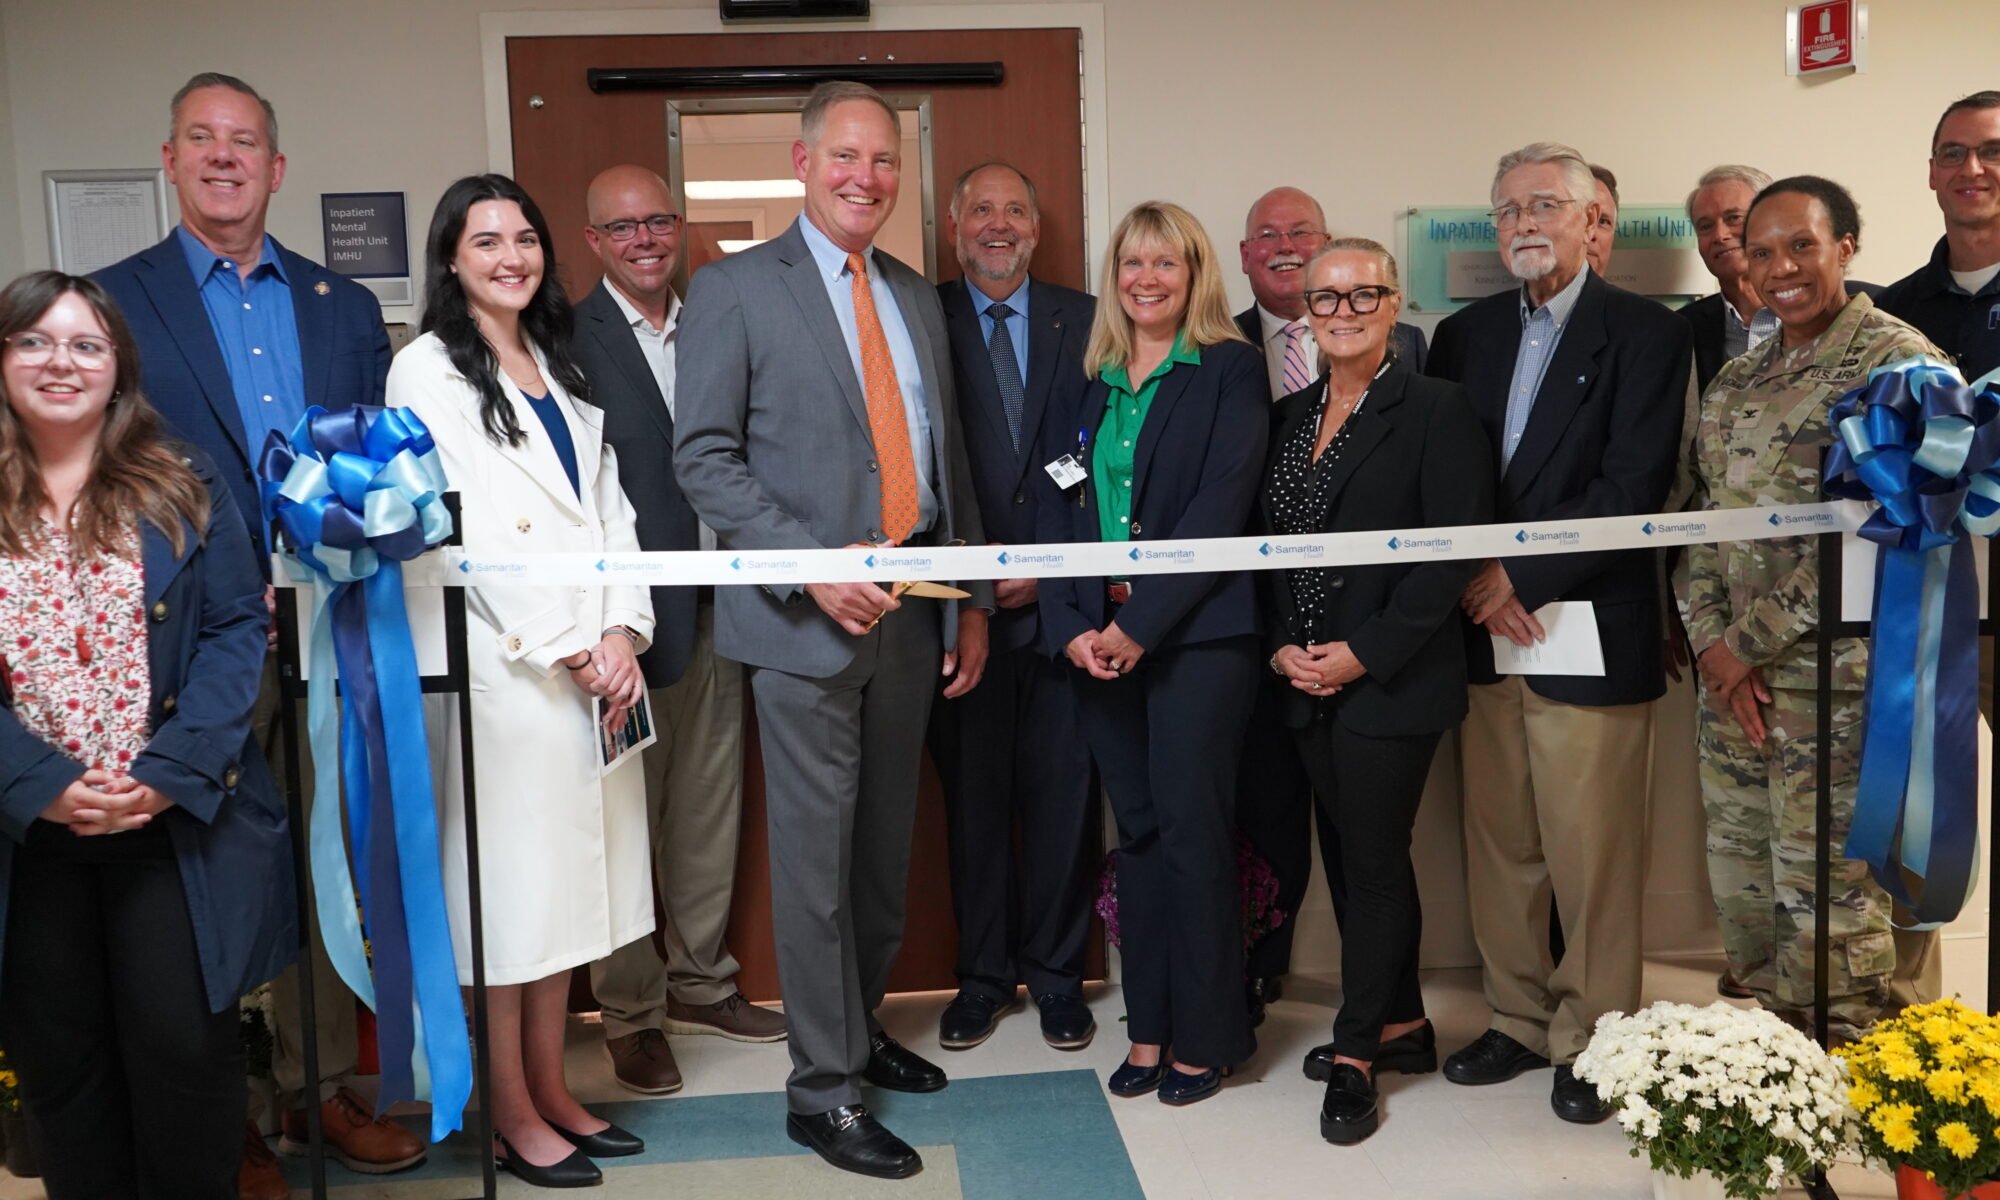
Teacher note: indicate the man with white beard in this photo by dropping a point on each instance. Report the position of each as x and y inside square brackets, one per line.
[1580, 386]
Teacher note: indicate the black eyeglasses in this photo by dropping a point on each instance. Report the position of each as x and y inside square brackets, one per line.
[659, 225]
[1951, 154]
[1362, 300]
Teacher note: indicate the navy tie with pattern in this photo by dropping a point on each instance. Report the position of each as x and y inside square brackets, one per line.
[1006, 372]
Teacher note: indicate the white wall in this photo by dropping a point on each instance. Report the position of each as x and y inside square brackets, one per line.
[12, 259]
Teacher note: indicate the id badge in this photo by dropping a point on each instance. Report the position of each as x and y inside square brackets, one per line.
[1066, 471]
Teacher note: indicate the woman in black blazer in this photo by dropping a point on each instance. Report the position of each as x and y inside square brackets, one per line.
[1373, 653]
[1171, 434]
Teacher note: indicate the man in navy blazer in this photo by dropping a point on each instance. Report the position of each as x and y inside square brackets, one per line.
[239, 336]
[1010, 750]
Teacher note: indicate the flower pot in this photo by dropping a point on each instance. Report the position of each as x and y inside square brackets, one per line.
[1912, 1184]
[1703, 1186]
[23, 1160]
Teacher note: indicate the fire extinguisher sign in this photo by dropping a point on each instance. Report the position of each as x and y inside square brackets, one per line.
[1831, 35]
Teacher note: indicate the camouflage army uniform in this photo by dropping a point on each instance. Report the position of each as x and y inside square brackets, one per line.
[1761, 439]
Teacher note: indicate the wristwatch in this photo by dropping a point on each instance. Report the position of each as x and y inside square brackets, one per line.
[631, 635]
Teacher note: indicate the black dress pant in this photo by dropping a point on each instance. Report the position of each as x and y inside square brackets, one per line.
[1368, 790]
[1166, 738]
[136, 1086]
[1275, 813]
[1020, 827]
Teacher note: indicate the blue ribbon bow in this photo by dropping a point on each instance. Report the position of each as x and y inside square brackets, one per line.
[1923, 445]
[357, 493]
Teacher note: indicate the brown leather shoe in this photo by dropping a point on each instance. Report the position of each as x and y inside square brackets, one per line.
[259, 1177]
[355, 1138]
[732, 1017]
[1726, 984]
[643, 1062]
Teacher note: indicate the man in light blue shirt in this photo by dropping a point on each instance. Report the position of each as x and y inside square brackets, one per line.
[250, 309]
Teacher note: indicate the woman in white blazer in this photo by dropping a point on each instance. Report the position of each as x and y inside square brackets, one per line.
[563, 852]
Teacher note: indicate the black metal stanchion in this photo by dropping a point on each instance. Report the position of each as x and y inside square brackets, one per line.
[289, 686]
[1826, 630]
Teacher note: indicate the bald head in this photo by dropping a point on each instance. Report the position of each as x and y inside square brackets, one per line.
[634, 201]
[1284, 229]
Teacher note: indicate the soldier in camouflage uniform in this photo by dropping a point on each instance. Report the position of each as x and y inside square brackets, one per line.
[1761, 440]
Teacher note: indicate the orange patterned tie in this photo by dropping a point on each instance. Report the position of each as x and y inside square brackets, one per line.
[886, 422]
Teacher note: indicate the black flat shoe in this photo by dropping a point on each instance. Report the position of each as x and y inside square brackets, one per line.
[893, 1066]
[851, 1139]
[1576, 1101]
[1413, 1053]
[609, 1142]
[1349, 1113]
[576, 1171]
[970, 1019]
[1180, 1088]
[1131, 1080]
[1494, 1058]
[1066, 1022]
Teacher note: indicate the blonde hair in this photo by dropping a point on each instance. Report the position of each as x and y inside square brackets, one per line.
[1207, 321]
[1365, 246]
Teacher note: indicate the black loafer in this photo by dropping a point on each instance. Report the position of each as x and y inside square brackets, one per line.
[1414, 1053]
[892, 1066]
[576, 1171]
[1180, 1088]
[1494, 1058]
[851, 1139]
[1576, 1101]
[609, 1142]
[1132, 1080]
[970, 1019]
[1349, 1113]
[1066, 1022]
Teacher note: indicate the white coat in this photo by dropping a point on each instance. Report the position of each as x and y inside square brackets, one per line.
[565, 867]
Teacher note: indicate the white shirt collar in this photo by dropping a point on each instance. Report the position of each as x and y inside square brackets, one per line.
[1271, 323]
[637, 320]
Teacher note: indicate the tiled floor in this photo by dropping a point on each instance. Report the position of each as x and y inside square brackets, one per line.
[1260, 1138]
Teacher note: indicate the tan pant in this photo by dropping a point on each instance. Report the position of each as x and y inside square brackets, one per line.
[1555, 802]
[694, 806]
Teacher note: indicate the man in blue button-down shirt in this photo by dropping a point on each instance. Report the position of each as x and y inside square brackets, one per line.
[237, 337]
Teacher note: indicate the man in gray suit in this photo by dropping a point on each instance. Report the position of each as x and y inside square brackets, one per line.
[815, 409]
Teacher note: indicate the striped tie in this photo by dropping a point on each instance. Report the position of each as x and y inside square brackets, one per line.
[1006, 372]
[886, 423]
[1297, 373]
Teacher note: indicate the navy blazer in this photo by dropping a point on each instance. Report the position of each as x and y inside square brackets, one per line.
[205, 653]
[1410, 345]
[1004, 479]
[1196, 471]
[342, 344]
[1601, 441]
[639, 428]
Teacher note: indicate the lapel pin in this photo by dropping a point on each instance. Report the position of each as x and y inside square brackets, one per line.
[1057, 323]
[321, 287]
[1579, 379]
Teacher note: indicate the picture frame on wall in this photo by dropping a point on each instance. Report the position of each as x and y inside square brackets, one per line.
[99, 217]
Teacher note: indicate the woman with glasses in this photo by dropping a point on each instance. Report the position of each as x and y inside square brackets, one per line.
[1170, 441]
[1374, 655]
[564, 851]
[145, 871]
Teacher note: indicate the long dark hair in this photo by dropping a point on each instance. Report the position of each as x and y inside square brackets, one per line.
[548, 320]
[138, 474]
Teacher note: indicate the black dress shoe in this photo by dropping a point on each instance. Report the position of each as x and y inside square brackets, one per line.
[609, 1142]
[1066, 1022]
[1180, 1088]
[892, 1066]
[576, 1171]
[1132, 1080]
[1348, 1114]
[1413, 1053]
[1259, 993]
[852, 1140]
[970, 1019]
[1494, 1058]
[1576, 1101]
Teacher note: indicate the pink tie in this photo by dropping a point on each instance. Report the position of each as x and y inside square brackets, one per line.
[1297, 374]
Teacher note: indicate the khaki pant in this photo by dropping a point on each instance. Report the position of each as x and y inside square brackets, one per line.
[1555, 803]
[694, 809]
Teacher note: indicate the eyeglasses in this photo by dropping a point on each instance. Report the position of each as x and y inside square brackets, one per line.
[1509, 215]
[1362, 300]
[87, 353]
[1951, 154]
[659, 224]
[1268, 239]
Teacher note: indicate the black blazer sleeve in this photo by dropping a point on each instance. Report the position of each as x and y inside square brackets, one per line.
[1058, 597]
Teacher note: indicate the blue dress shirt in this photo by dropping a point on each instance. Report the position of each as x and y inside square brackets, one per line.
[551, 416]
[1541, 331]
[832, 263]
[258, 335]
[1017, 325]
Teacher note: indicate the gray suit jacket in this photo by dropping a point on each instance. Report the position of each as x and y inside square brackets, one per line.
[772, 447]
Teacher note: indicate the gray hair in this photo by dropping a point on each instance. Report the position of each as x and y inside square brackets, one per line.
[836, 91]
[215, 79]
[1576, 170]
[965, 180]
[1728, 173]
[1365, 246]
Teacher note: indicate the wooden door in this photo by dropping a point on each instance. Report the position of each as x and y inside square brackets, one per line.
[564, 134]
[702, 243]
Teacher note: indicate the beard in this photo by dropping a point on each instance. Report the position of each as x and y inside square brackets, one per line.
[1530, 258]
[994, 265]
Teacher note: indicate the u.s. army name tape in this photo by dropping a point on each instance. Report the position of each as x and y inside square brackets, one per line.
[454, 567]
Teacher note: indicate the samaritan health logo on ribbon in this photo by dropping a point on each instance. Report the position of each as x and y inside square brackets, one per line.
[358, 493]
[1920, 442]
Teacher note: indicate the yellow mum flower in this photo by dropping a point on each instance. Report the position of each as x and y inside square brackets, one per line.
[1901, 1138]
[1891, 1115]
[1940, 1029]
[1961, 1141]
[1947, 1085]
[1951, 1054]
[1863, 1095]
[1901, 1065]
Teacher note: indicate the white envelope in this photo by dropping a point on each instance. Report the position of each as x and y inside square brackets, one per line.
[1571, 648]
